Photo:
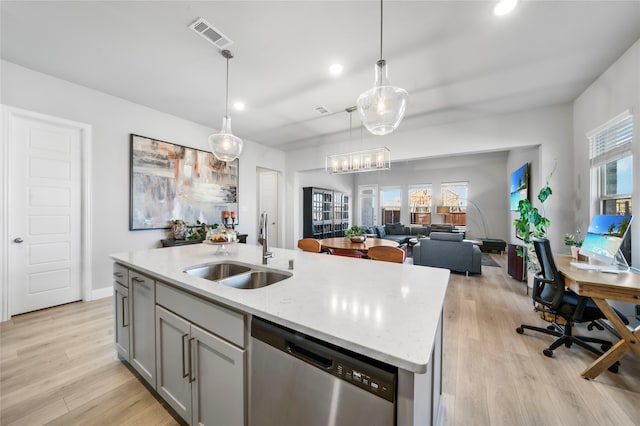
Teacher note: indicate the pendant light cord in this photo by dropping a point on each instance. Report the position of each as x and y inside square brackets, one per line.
[381, 29]
[226, 102]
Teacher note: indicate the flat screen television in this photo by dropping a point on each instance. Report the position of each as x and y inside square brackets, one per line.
[604, 238]
[519, 189]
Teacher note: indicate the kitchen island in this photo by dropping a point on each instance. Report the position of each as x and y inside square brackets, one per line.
[388, 312]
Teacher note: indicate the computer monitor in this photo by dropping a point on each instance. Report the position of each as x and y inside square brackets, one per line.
[604, 238]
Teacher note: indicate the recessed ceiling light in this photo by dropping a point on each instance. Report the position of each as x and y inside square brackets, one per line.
[504, 7]
[336, 69]
[239, 106]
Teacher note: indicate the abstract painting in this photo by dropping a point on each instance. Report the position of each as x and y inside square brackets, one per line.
[170, 181]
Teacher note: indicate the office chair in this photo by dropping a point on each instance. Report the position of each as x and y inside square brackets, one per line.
[310, 245]
[550, 296]
[388, 254]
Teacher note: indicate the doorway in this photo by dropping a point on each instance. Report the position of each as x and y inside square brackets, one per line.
[367, 200]
[46, 250]
[268, 200]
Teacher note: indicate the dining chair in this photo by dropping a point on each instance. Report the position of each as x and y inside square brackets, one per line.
[310, 244]
[387, 254]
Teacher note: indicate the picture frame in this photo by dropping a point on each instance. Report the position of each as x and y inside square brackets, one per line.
[170, 181]
[519, 187]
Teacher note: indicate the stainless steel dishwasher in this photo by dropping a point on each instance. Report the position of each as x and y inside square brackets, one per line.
[298, 380]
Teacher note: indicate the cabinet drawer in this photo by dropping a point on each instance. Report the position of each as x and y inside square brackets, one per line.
[121, 274]
[219, 320]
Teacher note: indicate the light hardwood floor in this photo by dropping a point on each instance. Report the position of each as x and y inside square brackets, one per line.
[58, 366]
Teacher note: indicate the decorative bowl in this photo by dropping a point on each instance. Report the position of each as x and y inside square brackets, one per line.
[358, 238]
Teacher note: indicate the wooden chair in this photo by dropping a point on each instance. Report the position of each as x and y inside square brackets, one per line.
[387, 254]
[310, 244]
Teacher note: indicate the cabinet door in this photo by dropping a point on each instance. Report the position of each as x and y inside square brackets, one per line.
[142, 328]
[121, 301]
[219, 385]
[173, 361]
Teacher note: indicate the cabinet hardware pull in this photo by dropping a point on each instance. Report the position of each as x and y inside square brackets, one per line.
[185, 373]
[118, 274]
[123, 306]
[191, 361]
[138, 280]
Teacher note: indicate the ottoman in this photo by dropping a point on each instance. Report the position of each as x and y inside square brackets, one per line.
[492, 244]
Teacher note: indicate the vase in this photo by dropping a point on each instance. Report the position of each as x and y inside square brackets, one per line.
[179, 231]
[358, 238]
[575, 250]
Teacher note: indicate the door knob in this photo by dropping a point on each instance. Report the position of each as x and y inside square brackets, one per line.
[18, 240]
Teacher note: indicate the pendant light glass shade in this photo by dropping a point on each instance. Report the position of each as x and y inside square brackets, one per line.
[224, 145]
[382, 108]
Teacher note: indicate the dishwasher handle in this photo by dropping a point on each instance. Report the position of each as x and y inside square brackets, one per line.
[309, 356]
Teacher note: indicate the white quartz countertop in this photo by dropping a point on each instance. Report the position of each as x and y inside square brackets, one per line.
[383, 310]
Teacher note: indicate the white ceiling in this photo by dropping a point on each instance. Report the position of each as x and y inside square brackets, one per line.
[454, 58]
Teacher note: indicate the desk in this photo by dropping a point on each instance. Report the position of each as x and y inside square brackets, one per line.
[346, 244]
[600, 287]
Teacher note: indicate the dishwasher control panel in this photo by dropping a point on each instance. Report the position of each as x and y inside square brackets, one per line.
[384, 387]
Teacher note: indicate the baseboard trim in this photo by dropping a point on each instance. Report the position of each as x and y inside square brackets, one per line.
[101, 293]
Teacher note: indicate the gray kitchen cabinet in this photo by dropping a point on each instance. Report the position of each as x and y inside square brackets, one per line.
[121, 310]
[173, 361]
[142, 347]
[218, 386]
[199, 374]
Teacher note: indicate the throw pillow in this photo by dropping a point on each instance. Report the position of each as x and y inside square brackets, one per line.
[381, 233]
[394, 228]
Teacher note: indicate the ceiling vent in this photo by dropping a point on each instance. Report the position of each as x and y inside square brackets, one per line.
[322, 110]
[212, 35]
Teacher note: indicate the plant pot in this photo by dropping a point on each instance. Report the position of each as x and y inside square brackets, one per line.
[358, 238]
[575, 250]
[179, 231]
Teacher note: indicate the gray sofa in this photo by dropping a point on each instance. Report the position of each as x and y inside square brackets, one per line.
[402, 234]
[448, 250]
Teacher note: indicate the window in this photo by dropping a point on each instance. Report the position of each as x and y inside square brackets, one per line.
[419, 197]
[454, 202]
[390, 202]
[612, 169]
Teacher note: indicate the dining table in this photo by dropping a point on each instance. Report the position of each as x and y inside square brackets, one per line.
[344, 243]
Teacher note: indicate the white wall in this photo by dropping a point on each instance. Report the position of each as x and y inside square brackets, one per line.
[112, 120]
[487, 187]
[615, 91]
[548, 127]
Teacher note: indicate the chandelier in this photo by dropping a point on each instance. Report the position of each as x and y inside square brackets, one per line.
[367, 160]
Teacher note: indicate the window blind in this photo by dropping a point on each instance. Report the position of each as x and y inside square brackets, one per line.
[611, 141]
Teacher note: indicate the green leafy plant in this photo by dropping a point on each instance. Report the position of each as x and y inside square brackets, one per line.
[354, 231]
[200, 230]
[573, 239]
[532, 222]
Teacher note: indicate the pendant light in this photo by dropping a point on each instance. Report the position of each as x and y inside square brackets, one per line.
[382, 108]
[224, 145]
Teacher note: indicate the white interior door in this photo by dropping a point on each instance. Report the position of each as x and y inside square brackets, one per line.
[268, 201]
[367, 200]
[45, 222]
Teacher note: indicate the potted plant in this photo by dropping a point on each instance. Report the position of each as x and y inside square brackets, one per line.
[178, 229]
[532, 223]
[200, 231]
[356, 234]
[574, 242]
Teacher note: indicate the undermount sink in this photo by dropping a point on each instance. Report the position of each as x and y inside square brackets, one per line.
[237, 275]
[255, 279]
[217, 271]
